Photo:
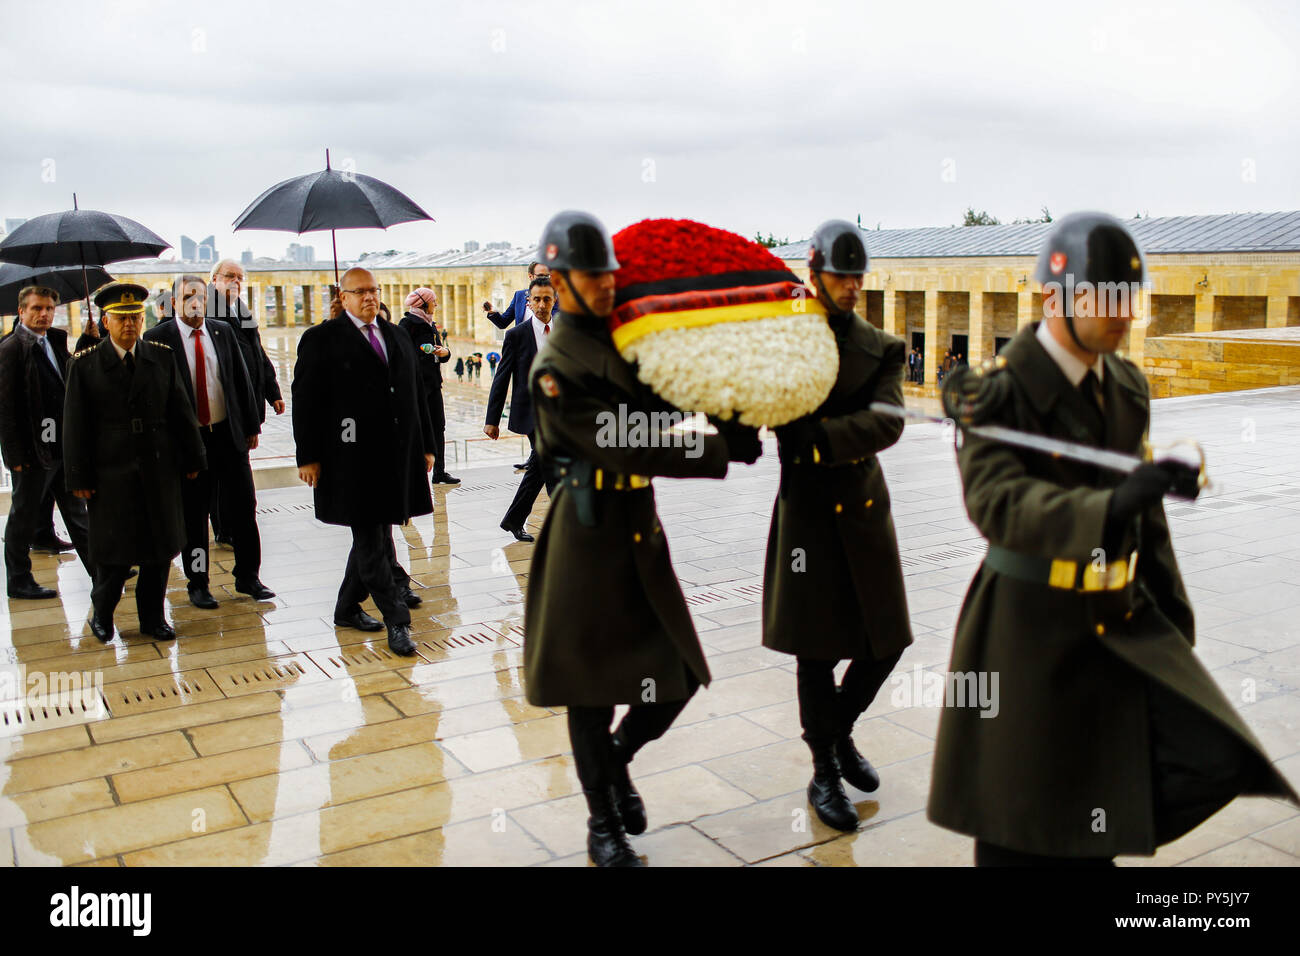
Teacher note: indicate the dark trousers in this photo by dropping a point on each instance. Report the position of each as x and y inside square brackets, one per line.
[150, 587]
[234, 480]
[529, 487]
[826, 712]
[31, 487]
[439, 452]
[589, 735]
[373, 569]
[45, 518]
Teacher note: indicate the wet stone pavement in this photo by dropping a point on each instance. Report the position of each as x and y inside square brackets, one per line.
[266, 736]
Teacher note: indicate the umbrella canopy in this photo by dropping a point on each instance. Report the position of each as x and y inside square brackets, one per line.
[331, 200]
[77, 237]
[67, 281]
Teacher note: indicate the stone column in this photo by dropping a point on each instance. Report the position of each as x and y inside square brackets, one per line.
[1025, 307]
[980, 338]
[1275, 317]
[890, 318]
[933, 350]
[1204, 320]
[308, 306]
[279, 306]
[1137, 333]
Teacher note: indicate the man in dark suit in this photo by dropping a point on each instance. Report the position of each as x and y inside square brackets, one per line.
[365, 444]
[129, 435]
[224, 285]
[33, 367]
[522, 343]
[211, 366]
[431, 351]
[516, 312]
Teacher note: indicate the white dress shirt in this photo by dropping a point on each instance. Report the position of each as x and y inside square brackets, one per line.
[121, 352]
[539, 329]
[1073, 368]
[379, 336]
[216, 395]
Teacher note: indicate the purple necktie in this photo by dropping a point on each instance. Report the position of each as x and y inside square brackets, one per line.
[374, 343]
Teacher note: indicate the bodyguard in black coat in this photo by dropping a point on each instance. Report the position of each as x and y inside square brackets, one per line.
[432, 351]
[365, 444]
[33, 367]
[517, 354]
[229, 424]
[129, 442]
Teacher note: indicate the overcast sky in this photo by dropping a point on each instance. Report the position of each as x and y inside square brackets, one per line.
[745, 115]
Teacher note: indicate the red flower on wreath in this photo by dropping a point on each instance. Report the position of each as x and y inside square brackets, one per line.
[657, 249]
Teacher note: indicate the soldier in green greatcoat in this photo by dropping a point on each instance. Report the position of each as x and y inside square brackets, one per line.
[1108, 736]
[833, 583]
[605, 621]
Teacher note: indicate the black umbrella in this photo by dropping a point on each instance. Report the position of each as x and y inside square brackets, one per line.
[79, 237]
[329, 200]
[68, 281]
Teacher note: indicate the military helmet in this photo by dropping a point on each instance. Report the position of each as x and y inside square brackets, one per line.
[576, 240]
[1091, 247]
[837, 247]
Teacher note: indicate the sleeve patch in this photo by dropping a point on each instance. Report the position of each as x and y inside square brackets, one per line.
[549, 386]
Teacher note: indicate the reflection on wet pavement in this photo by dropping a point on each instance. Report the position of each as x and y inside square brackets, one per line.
[267, 736]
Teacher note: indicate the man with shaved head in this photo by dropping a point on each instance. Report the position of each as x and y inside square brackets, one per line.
[365, 444]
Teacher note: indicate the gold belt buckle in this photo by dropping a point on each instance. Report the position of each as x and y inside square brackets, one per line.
[1116, 575]
[1063, 573]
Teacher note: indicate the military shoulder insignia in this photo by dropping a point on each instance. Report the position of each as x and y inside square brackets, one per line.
[77, 355]
[549, 386]
[162, 345]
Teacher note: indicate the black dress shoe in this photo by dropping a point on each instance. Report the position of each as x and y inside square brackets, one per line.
[855, 768]
[445, 479]
[522, 466]
[130, 573]
[31, 591]
[160, 632]
[222, 541]
[201, 597]
[359, 620]
[826, 793]
[409, 597]
[51, 545]
[399, 639]
[607, 843]
[519, 533]
[254, 589]
[101, 630]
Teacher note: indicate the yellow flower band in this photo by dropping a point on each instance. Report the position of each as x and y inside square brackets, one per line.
[694, 318]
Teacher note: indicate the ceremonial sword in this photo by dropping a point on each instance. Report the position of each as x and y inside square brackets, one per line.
[1056, 447]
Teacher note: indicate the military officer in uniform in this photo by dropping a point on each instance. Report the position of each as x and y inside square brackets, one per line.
[833, 583]
[129, 439]
[1109, 737]
[605, 620]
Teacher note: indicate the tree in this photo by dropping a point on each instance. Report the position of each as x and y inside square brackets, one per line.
[771, 240]
[981, 218]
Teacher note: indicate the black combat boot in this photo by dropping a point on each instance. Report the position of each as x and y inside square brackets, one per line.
[630, 805]
[826, 793]
[855, 768]
[607, 843]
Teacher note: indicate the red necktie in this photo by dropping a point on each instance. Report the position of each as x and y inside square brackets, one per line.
[546, 329]
[200, 378]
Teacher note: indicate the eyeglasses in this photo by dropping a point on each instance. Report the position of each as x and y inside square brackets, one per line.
[362, 292]
[227, 275]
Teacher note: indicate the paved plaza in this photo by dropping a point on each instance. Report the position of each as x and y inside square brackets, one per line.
[266, 736]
